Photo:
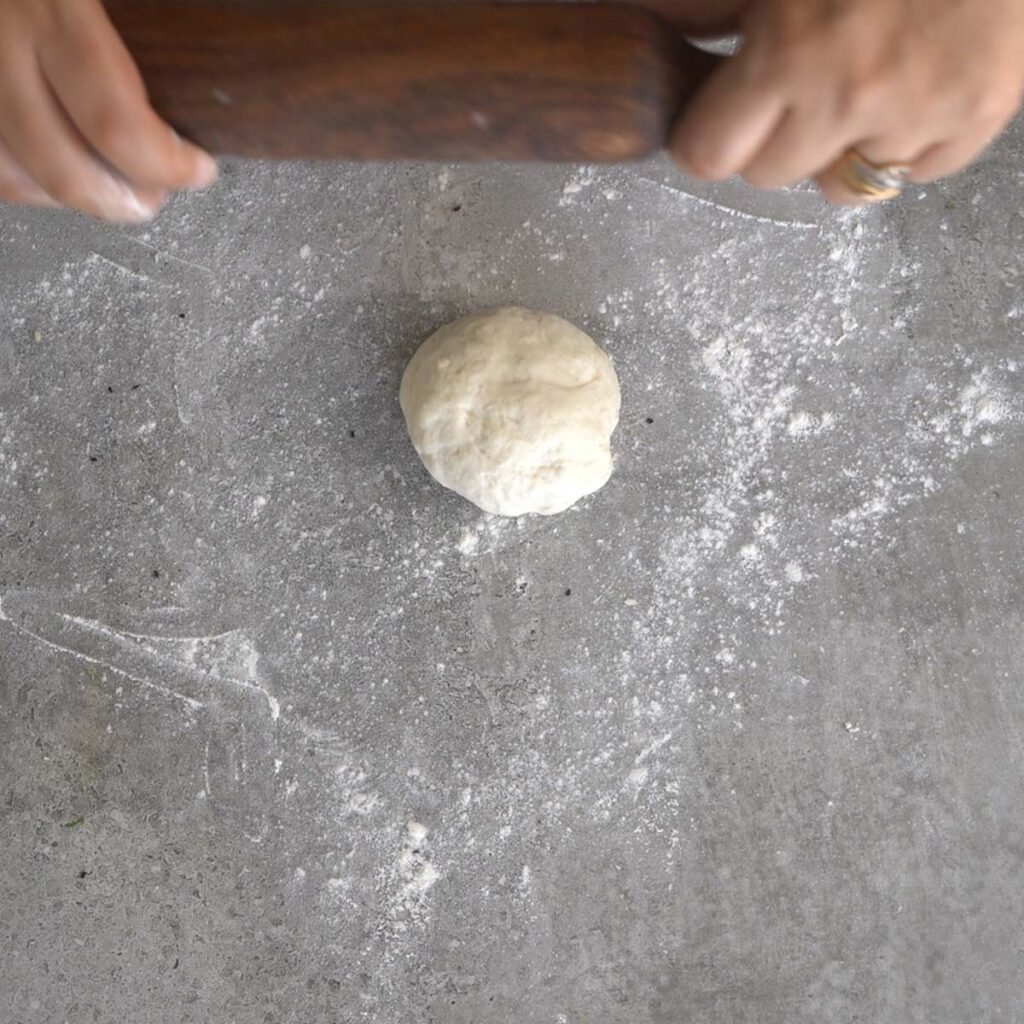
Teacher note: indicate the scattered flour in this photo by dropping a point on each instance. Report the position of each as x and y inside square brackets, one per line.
[983, 405]
[771, 456]
[577, 183]
[417, 872]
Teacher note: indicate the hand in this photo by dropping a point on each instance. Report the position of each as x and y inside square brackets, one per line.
[76, 128]
[926, 83]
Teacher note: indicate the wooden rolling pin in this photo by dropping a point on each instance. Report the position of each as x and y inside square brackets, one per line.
[444, 81]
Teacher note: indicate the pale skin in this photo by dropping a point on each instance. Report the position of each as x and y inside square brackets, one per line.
[926, 83]
[76, 129]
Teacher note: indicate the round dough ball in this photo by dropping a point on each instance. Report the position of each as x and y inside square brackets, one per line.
[514, 410]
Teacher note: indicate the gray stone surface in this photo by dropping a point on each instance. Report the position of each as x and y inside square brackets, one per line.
[739, 739]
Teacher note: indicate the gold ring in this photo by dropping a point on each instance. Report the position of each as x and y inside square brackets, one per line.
[875, 182]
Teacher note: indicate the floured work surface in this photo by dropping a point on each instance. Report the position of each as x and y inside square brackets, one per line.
[287, 732]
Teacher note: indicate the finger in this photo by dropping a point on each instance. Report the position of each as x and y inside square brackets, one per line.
[802, 145]
[16, 186]
[727, 123]
[47, 146]
[699, 17]
[98, 84]
[882, 152]
[943, 159]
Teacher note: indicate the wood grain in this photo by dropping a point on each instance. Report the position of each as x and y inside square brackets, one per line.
[444, 81]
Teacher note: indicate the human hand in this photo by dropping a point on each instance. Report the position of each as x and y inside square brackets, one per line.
[923, 83]
[76, 128]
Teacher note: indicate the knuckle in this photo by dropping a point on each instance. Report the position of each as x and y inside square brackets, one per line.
[61, 189]
[793, 60]
[703, 165]
[835, 192]
[761, 179]
[837, 197]
[12, 186]
[991, 106]
[67, 190]
[65, 15]
[929, 172]
[863, 92]
[700, 162]
[871, 77]
[110, 131]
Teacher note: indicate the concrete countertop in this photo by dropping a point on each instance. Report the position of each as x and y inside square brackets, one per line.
[288, 733]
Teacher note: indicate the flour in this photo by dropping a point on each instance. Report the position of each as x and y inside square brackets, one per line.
[394, 662]
[579, 181]
[405, 887]
[982, 405]
[794, 572]
[803, 424]
[417, 872]
[468, 543]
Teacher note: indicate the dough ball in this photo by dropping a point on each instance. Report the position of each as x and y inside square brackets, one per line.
[514, 410]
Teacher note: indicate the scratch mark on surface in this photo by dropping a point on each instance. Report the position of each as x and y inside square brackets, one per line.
[159, 255]
[653, 747]
[493, 708]
[125, 639]
[190, 702]
[94, 257]
[154, 638]
[226, 658]
[799, 225]
[176, 390]
[206, 767]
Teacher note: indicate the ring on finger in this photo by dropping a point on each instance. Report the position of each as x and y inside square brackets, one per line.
[874, 181]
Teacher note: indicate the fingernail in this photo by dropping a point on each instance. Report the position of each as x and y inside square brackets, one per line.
[205, 173]
[138, 209]
[124, 203]
[206, 170]
[685, 164]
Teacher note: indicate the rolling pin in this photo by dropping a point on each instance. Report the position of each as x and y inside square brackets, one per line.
[585, 83]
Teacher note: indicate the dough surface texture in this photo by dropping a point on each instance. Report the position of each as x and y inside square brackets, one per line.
[513, 409]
